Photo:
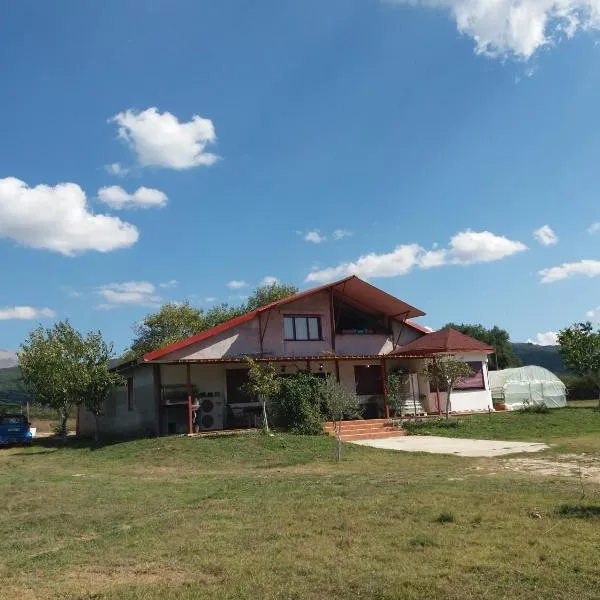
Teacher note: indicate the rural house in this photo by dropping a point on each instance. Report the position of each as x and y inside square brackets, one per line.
[349, 329]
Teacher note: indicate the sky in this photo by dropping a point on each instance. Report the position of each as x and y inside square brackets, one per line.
[162, 150]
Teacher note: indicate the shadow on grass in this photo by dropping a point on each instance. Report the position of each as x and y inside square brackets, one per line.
[579, 511]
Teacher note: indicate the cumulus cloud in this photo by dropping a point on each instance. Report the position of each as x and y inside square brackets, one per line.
[545, 235]
[549, 338]
[59, 219]
[25, 313]
[128, 293]
[517, 28]
[161, 140]
[340, 234]
[594, 228]
[586, 268]
[315, 237]
[269, 280]
[594, 314]
[465, 248]
[167, 285]
[236, 284]
[116, 197]
[116, 169]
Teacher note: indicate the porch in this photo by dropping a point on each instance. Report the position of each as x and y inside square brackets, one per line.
[194, 397]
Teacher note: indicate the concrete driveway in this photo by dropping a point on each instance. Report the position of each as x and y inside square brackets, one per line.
[456, 446]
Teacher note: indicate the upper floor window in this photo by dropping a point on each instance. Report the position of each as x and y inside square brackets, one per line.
[302, 328]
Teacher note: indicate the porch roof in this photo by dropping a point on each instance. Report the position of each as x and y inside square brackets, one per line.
[445, 341]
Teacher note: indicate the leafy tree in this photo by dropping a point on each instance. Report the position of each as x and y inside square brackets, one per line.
[395, 385]
[446, 372]
[265, 294]
[98, 380]
[339, 404]
[579, 347]
[498, 338]
[174, 321]
[171, 323]
[264, 383]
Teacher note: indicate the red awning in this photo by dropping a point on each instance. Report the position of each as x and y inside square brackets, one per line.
[445, 341]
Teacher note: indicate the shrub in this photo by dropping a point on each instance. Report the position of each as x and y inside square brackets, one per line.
[534, 408]
[581, 511]
[579, 388]
[445, 517]
[421, 541]
[298, 408]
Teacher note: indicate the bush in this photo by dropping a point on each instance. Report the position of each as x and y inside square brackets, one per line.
[534, 408]
[579, 388]
[445, 517]
[298, 407]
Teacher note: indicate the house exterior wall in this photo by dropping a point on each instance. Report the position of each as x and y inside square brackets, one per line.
[117, 419]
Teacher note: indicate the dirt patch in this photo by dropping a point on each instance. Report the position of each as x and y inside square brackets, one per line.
[569, 465]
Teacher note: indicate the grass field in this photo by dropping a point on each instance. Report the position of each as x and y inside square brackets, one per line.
[252, 516]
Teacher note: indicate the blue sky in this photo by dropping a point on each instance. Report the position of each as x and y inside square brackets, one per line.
[432, 139]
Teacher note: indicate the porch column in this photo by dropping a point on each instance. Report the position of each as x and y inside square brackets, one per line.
[337, 370]
[157, 398]
[189, 388]
[386, 406]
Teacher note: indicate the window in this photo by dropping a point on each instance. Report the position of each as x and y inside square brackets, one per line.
[355, 321]
[475, 382]
[369, 380]
[302, 328]
[236, 380]
[130, 393]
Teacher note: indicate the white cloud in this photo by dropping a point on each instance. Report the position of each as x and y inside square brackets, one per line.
[545, 235]
[315, 237]
[236, 284]
[517, 28]
[340, 234]
[58, 219]
[549, 338]
[594, 314]
[587, 268]
[465, 248]
[210, 299]
[161, 140]
[167, 285]
[132, 293]
[116, 197]
[25, 313]
[269, 280]
[116, 169]
[594, 228]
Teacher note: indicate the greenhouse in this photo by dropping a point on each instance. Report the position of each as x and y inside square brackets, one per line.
[516, 388]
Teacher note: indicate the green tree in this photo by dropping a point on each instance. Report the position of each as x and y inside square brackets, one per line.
[339, 404]
[505, 357]
[98, 381]
[265, 294]
[395, 385]
[579, 346]
[263, 383]
[446, 372]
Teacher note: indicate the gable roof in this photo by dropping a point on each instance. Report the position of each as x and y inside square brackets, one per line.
[351, 287]
[445, 341]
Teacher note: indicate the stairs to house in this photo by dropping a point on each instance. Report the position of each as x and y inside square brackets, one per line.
[367, 429]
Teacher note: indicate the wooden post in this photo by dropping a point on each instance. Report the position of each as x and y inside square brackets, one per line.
[157, 399]
[189, 387]
[337, 370]
[332, 321]
[386, 406]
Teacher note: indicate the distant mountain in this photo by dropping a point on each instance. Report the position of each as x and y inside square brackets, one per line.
[543, 356]
[8, 359]
[11, 387]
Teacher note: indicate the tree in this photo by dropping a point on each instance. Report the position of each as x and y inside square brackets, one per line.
[264, 383]
[339, 404]
[98, 381]
[446, 372]
[171, 323]
[498, 338]
[579, 346]
[395, 385]
[265, 294]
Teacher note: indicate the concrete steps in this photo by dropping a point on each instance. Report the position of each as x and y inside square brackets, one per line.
[365, 429]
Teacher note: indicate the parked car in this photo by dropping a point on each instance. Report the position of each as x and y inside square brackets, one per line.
[14, 429]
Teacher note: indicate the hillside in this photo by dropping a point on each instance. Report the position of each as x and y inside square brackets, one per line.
[543, 356]
[10, 386]
[8, 359]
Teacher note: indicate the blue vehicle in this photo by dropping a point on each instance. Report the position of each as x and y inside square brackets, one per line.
[14, 429]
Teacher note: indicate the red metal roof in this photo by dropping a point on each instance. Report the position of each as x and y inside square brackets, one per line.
[352, 287]
[416, 326]
[445, 341]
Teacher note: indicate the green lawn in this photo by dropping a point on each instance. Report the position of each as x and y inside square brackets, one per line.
[252, 516]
